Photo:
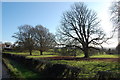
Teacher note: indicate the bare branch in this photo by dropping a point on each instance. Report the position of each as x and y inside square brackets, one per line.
[81, 25]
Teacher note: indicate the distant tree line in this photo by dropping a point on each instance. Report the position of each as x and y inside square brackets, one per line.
[34, 38]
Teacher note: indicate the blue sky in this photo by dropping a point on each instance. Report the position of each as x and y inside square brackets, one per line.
[48, 14]
[17, 14]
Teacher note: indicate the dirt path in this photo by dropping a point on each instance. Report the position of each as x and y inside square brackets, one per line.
[5, 73]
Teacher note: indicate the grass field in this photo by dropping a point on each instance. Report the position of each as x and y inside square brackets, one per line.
[89, 68]
[36, 54]
[105, 56]
[41, 56]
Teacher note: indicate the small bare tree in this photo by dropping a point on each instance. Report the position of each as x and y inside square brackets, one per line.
[25, 37]
[80, 28]
[44, 40]
[8, 44]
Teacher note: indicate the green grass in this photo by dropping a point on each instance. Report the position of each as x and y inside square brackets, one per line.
[18, 53]
[81, 55]
[102, 56]
[34, 53]
[22, 70]
[41, 56]
[13, 71]
[105, 56]
[90, 68]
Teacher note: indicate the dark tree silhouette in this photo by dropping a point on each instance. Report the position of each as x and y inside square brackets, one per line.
[8, 44]
[115, 11]
[80, 28]
[25, 37]
[44, 40]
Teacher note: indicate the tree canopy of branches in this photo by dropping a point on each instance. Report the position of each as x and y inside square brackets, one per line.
[115, 11]
[80, 28]
[25, 38]
[43, 39]
[38, 38]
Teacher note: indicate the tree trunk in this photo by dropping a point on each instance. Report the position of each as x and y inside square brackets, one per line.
[30, 52]
[86, 53]
[41, 52]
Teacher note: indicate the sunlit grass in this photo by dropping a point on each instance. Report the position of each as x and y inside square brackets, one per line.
[90, 68]
[105, 56]
[34, 53]
[81, 55]
[13, 70]
[17, 53]
[102, 56]
[20, 71]
[41, 56]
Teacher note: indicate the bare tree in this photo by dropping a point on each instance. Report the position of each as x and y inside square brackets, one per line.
[115, 11]
[25, 38]
[80, 28]
[43, 39]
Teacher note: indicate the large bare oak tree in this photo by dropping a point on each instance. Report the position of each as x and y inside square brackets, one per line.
[80, 28]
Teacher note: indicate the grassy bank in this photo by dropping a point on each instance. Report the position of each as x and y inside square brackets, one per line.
[13, 71]
[20, 71]
[90, 68]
